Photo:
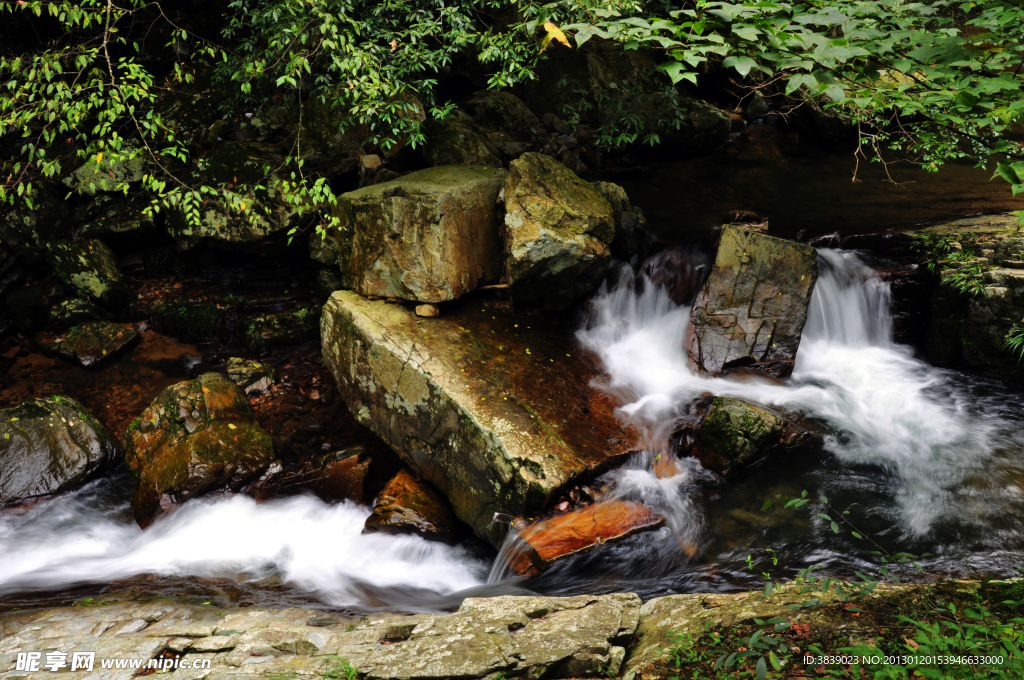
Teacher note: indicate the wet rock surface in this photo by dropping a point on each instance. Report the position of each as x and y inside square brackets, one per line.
[495, 417]
[753, 306]
[197, 436]
[69, 313]
[408, 505]
[251, 376]
[92, 342]
[735, 433]
[558, 229]
[51, 445]
[281, 329]
[89, 267]
[579, 530]
[429, 236]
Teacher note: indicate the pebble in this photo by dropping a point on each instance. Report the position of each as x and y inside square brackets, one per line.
[429, 311]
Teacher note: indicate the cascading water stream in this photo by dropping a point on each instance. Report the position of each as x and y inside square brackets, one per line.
[923, 455]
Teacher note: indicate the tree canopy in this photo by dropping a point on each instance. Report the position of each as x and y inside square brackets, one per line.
[80, 80]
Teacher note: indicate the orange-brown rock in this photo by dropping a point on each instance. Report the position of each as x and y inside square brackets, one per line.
[552, 539]
[408, 505]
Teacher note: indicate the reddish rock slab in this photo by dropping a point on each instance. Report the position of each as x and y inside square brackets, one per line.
[408, 505]
[578, 531]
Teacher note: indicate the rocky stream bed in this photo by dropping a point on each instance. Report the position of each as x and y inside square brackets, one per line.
[522, 415]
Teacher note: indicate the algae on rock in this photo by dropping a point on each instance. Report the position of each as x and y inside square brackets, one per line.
[91, 268]
[196, 436]
[558, 229]
[429, 236]
[51, 445]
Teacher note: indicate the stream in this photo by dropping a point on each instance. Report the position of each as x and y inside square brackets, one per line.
[927, 461]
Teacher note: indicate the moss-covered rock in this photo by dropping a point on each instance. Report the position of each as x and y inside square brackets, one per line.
[69, 313]
[428, 236]
[90, 267]
[27, 231]
[494, 423]
[196, 320]
[735, 433]
[558, 228]
[630, 223]
[281, 329]
[251, 376]
[108, 172]
[752, 309]
[455, 140]
[92, 342]
[119, 224]
[51, 445]
[195, 437]
[255, 222]
[408, 505]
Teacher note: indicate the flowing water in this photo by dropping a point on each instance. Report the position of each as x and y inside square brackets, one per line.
[924, 459]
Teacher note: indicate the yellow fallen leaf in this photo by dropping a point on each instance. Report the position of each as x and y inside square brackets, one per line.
[231, 427]
[553, 33]
[99, 157]
[206, 390]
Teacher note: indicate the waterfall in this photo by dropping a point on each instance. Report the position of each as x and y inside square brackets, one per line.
[878, 404]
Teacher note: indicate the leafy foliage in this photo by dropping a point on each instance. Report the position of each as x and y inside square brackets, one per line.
[940, 79]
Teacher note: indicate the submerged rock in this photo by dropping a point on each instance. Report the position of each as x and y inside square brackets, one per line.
[410, 506]
[495, 424]
[281, 329]
[735, 433]
[251, 376]
[429, 236]
[51, 445]
[92, 342]
[74, 311]
[558, 229]
[577, 531]
[195, 437]
[90, 267]
[753, 306]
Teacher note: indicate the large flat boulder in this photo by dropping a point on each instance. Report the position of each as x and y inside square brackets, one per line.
[51, 445]
[753, 306]
[496, 416]
[558, 233]
[428, 236]
[197, 436]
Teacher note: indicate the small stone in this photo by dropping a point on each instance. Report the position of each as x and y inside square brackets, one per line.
[429, 311]
[570, 143]
[370, 162]
[251, 376]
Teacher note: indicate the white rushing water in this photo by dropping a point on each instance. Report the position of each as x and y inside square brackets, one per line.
[881, 406]
[316, 547]
[939, 445]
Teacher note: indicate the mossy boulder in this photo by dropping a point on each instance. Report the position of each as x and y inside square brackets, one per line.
[630, 223]
[408, 505]
[195, 437]
[92, 342]
[69, 313]
[428, 236]
[281, 329]
[558, 229]
[49, 446]
[736, 433]
[496, 421]
[27, 231]
[119, 224]
[90, 267]
[261, 217]
[109, 172]
[456, 140]
[752, 309]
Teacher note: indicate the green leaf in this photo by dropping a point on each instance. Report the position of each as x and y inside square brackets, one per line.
[801, 80]
[743, 65]
[835, 527]
[762, 669]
